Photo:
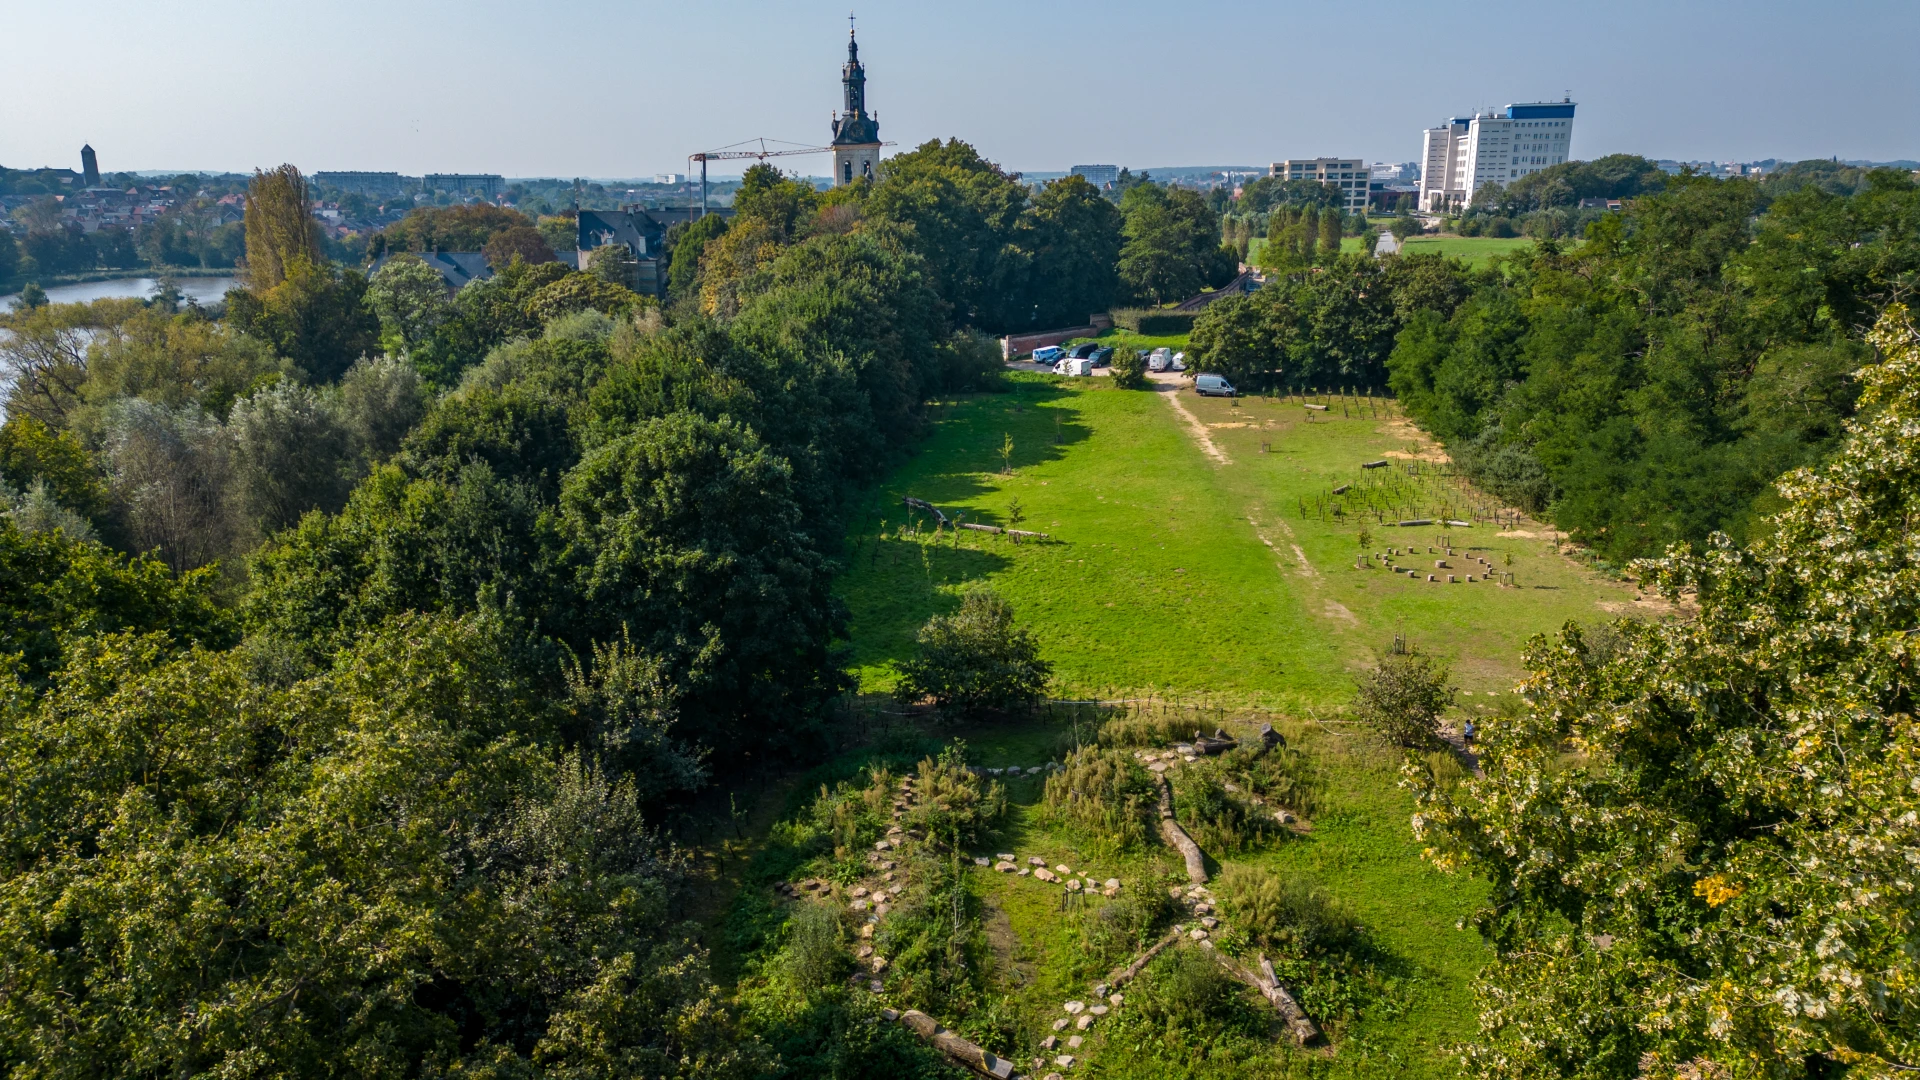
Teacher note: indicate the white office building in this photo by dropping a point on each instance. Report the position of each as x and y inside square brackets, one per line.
[1350, 175]
[1466, 154]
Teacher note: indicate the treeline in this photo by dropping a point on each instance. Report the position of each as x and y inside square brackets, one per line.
[444, 602]
[1642, 389]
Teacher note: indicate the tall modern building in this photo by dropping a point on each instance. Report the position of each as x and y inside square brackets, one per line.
[1347, 174]
[89, 167]
[856, 135]
[1466, 154]
[1100, 176]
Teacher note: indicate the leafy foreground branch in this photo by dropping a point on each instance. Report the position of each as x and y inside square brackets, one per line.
[1701, 835]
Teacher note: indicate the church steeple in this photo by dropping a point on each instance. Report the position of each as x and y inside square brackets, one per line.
[854, 77]
[856, 133]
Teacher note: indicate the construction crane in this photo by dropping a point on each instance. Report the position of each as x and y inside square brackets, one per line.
[728, 153]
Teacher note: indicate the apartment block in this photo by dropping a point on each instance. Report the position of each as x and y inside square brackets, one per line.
[1466, 154]
[1350, 175]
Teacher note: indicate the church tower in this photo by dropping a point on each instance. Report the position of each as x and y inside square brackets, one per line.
[89, 167]
[856, 135]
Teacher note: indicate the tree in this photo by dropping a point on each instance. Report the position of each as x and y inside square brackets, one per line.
[523, 242]
[458, 228]
[31, 452]
[959, 213]
[381, 399]
[1072, 237]
[9, 259]
[170, 469]
[1402, 698]
[613, 264]
[314, 317]
[1697, 831]
[291, 454]
[683, 270]
[582, 292]
[686, 534]
[281, 233]
[1173, 246]
[975, 660]
[410, 300]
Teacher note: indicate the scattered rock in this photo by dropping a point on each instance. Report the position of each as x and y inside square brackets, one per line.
[858, 905]
[1101, 990]
[1049, 1042]
[1113, 883]
[879, 964]
[1099, 1010]
[1073, 885]
[1024, 871]
[876, 986]
[1035, 860]
[1065, 1061]
[890, 1014]
[1073, 1042]
[1062, 870]
[1209, 922]
[881, 845]
[1085, 1021]
[1060, 1023]
[1005, 857]
[1004, 867]
[1158, 766]
[1116, 1000]
[1197, 934]
[864, 952]
[859, 891]
[1075, 1007]
[982, 860]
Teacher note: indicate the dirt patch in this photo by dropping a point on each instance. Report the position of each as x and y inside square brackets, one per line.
[1644, 606]
[1334, 609]
[1306, 568]
[1232, 424]
[1200, 435]
[1005, 946]
[1532, 534]
[1424, 448]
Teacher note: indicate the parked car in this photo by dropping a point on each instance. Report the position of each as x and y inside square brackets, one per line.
[1084, 350]
[1073, 365]
[1213, 386]
[1046, 354]
[1102, 357]
[1160, 359]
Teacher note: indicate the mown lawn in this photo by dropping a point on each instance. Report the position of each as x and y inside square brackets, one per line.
[1174, 574]
[1474, 250]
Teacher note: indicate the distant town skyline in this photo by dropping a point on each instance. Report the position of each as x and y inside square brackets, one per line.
[595, 88]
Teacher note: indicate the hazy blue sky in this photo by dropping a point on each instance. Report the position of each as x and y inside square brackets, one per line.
[630, 87]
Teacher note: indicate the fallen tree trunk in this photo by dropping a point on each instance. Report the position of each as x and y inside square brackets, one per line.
[1269, 986]
[1178, 839]
[955, 1047]
[1121, 975]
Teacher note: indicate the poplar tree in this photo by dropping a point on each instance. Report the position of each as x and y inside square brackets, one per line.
[280, 231]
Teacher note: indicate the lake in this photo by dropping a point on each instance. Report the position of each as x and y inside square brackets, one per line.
[204, 289]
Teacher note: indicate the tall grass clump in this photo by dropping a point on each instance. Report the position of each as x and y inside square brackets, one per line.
[1148, 729]
[1104, 798]
[1288, 912]
[1280, 774]
[1218, 822]
[952, 806]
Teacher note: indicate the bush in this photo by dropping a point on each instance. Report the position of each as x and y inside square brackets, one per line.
[1105, 796]
[1153, 321]
[950, 803]
[1188, 991]
[1129, 369]
[1282, 774]
[1402, 699]
[1288, 912]
[1216, 820]
[975, 660]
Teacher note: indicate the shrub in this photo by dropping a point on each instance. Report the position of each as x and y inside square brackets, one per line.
[975, 660]
[1287, 911]
[1148, 730]
[1152, 321]
[1216, 820]
[1402, 699]
[1105, 796]
[1188, 991]
[1129, 369]
[1282, 774]
[950, 804]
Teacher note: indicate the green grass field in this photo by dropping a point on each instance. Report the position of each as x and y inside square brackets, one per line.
[1201, 577]
[1474, 250]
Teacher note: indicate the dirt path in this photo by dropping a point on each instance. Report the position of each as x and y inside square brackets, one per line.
[1170, 390]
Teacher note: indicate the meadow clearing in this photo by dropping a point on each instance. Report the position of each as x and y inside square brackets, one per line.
[1188, 571]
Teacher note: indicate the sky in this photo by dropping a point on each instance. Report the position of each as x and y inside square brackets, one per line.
[626, 88]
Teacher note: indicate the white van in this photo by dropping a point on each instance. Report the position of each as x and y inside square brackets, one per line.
[1179, 361]
[1213, 386]
[1047, 354]
[1074, 365]
[1160, 359]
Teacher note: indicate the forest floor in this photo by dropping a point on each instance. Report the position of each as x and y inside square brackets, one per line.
[1194, 560]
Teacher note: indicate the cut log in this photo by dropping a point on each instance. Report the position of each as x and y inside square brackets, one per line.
[955, 1047]
[1122, 975]
[1177, 838]
[981, 528]
[1316, 408]
[1269, 986]
[1373, 464]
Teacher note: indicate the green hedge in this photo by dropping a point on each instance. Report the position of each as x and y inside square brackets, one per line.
[1153, 321]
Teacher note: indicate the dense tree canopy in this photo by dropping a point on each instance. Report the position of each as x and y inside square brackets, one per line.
[1699, 833]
